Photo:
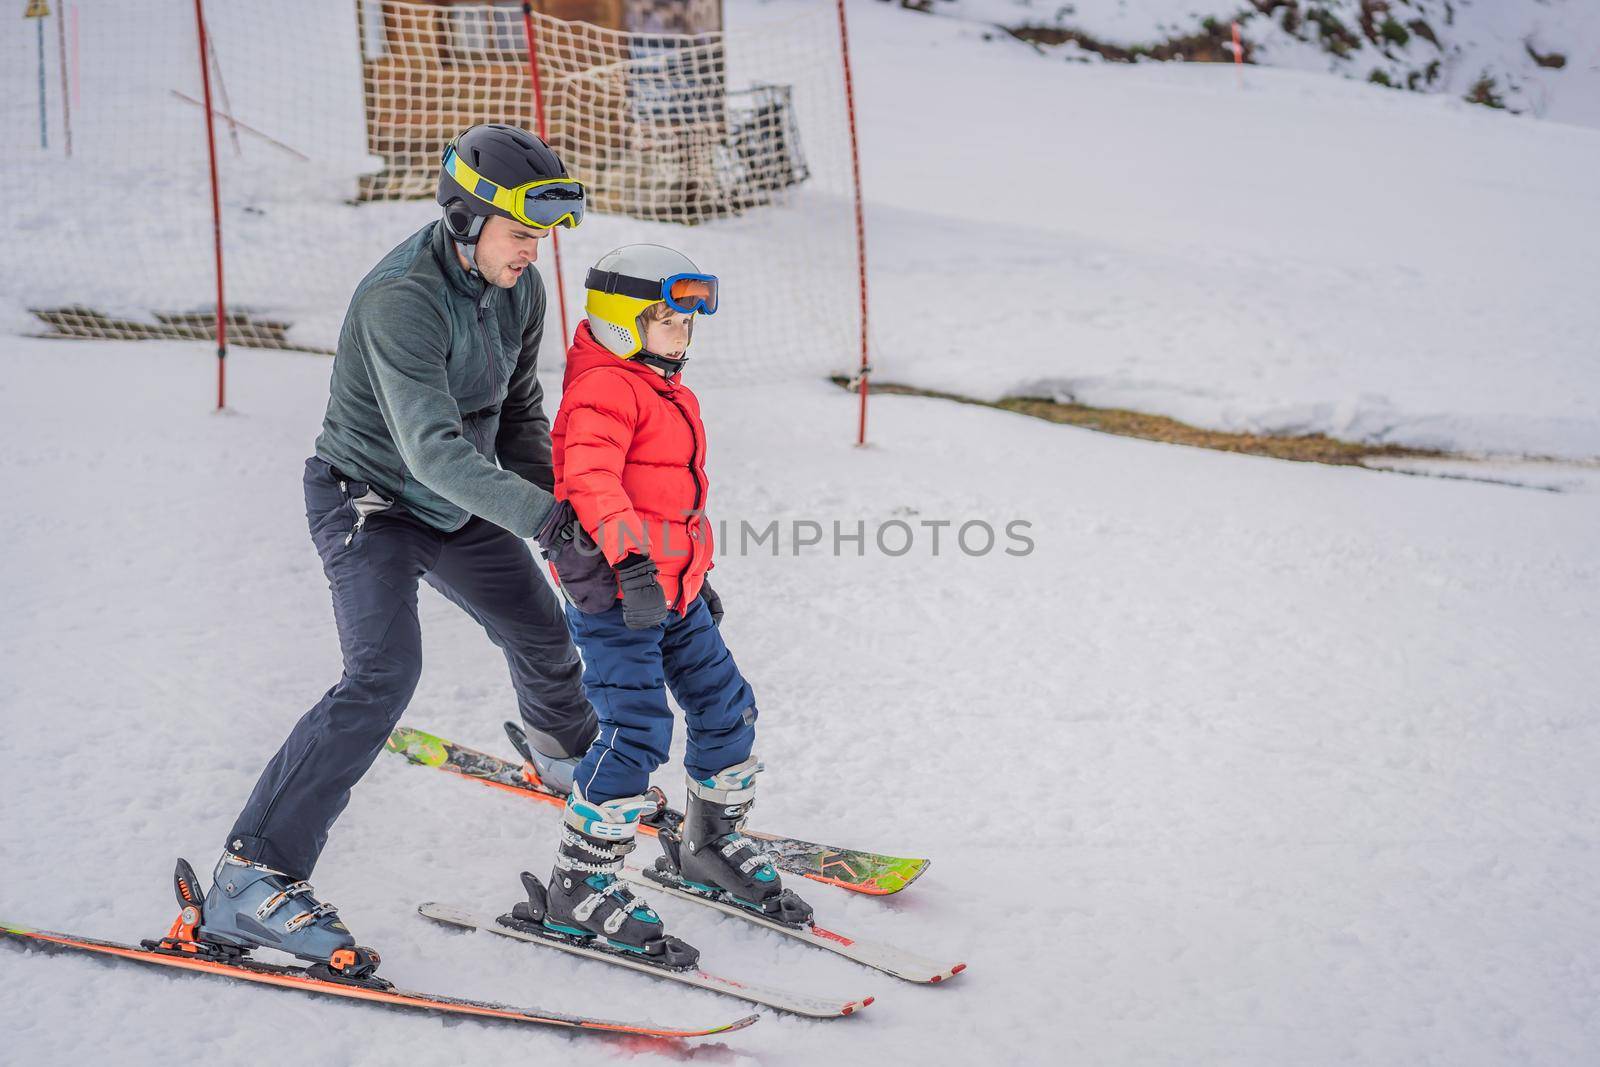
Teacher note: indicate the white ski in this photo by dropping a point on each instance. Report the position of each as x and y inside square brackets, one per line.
[878, 956]
[783, 1000]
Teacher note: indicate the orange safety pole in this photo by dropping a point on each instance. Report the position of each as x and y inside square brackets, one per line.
[1238, 55]
[538, 110]
[861, 232]
[216, 206]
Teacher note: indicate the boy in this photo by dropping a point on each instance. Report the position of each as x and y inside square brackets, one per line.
[629, 453]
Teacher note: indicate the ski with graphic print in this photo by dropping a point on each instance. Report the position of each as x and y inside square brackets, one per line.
[852, 869]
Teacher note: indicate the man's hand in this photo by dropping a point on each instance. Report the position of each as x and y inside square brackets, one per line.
[713, 602]
[560, 526]
[644, 604]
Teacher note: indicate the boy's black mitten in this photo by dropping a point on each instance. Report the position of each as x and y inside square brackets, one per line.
[644, 603]
[713, 602]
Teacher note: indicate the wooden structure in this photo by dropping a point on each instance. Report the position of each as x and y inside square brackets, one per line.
[634, 92]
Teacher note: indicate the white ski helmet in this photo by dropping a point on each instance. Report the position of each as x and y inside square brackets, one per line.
[629, 279]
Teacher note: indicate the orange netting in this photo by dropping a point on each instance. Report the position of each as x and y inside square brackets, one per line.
[730, 143]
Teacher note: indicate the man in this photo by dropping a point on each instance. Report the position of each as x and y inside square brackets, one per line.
[433, 463]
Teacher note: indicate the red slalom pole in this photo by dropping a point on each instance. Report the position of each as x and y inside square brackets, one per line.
[1238, 55]
[538, 111]
[216, 206]
[861, 232]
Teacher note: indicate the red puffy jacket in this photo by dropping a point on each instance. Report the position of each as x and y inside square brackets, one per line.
[630, 452]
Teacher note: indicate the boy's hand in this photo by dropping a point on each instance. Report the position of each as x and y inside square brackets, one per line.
[713, 602]
[644, 604]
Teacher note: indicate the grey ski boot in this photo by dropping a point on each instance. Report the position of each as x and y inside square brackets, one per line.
[713, 857]
[585, 902]
[545, 762]
[253, 906]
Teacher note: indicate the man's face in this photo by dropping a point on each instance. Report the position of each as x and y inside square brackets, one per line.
[506, 248]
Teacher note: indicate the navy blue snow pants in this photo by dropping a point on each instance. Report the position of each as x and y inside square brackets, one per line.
[626, 673]
[373, 573]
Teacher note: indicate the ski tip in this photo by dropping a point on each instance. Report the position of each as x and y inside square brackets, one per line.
[957, 969]
[910, 873]
[891, 879]
[651, 1031]
[851, 1009]
[401, 736]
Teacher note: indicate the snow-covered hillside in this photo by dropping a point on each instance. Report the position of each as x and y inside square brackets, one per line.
[1296, 253]
[1536, 56]
[1246, 763]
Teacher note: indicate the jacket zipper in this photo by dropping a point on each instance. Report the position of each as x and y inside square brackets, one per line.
[699, 493]
[361, 520]
[354, 503]
[490, 353]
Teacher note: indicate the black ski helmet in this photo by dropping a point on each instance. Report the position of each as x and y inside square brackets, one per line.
[507, 156]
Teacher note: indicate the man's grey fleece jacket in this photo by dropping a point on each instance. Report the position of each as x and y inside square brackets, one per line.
[434, 400]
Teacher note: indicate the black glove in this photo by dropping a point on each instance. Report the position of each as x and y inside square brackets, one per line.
[559, 527]
[713, 602]
[644, 604]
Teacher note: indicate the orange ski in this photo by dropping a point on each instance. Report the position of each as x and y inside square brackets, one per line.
[376, 992]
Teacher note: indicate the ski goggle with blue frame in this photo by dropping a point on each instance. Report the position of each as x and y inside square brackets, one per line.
[686, 293]
[543, 204]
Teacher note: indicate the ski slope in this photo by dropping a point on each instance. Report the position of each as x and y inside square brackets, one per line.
[1246, 763]
[1287, 253]
[1293, 253]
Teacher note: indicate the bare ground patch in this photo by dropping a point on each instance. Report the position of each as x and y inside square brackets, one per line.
[1307, 448]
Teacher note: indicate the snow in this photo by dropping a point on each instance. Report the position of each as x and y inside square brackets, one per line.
[1297, 254]
[1303, 254]
[1247, 762]
[1472, 39]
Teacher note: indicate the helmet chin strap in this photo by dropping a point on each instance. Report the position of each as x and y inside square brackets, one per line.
[665, 363]
[671, 366]
[470, 254]
[465, 237]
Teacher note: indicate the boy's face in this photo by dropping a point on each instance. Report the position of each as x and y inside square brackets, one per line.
[668, 336]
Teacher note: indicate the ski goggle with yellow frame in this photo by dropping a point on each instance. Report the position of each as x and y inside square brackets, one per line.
[543, 204]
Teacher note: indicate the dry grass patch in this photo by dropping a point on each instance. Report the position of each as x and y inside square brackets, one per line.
[1308, 448]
